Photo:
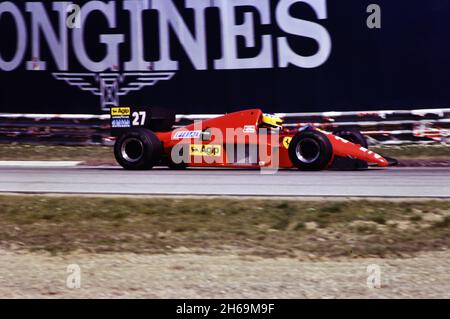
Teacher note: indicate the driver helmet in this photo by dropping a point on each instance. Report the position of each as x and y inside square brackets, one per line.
[273, 121]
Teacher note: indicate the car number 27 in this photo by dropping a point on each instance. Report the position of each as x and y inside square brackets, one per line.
[139, 118]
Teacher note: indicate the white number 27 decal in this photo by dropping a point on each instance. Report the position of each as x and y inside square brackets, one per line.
[139, 118]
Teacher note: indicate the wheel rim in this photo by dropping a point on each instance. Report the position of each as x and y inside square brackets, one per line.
[132, 150]
[308, 150]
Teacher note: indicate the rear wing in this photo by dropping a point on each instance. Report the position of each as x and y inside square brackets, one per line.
[156, 119]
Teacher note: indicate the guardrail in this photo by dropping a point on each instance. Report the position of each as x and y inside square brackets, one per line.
[423, 126]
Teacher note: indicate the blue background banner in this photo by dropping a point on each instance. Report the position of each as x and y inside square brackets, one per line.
[217, 56]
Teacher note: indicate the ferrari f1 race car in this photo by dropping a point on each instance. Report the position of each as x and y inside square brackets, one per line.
[247, 139]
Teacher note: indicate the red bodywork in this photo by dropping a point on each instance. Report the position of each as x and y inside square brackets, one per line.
[253, 118]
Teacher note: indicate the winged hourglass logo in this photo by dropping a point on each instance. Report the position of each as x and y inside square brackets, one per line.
[111, 86]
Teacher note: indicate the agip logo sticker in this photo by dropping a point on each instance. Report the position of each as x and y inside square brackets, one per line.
[120, 111]
[120, 117]
[205, 150]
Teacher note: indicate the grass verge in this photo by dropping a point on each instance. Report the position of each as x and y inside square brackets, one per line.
[268, 228]
[21, 152]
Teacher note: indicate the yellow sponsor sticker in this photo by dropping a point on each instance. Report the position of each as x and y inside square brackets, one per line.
[287, 142]
[205, 150]
[120, 111]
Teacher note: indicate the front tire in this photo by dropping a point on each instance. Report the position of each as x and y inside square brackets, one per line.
[138, 149]
[352, 135]
[310, 151]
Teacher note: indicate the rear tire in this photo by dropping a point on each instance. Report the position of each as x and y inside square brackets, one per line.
[310, 151]
[138, 149]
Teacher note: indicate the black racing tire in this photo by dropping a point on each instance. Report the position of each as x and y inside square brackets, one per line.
[138, 149]
[352, 135]
[310, 150]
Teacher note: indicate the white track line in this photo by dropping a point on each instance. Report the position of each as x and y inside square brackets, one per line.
[39, 163]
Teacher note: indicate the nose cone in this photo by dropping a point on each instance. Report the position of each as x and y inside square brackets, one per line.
[342, 147]
[377, 159]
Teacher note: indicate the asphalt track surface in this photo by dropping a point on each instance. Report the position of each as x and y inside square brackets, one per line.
[392, 182]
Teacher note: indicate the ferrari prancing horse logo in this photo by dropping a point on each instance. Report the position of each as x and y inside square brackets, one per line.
[287, 142]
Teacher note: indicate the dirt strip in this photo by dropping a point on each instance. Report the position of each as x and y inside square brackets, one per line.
[185, 275]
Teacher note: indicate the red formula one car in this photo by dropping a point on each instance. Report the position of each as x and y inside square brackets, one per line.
[245, 139]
